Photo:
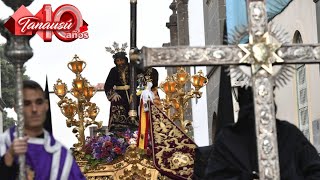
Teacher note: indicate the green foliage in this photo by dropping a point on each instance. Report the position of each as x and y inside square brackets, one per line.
[7, 121]
[92, 162]
[8, 80]
[8, 85]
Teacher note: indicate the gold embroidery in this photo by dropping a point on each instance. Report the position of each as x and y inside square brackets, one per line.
[124, 75]
[174, 151]
[178, 160]
[119, 113]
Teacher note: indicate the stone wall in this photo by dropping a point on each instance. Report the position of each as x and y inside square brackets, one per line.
[214, 17]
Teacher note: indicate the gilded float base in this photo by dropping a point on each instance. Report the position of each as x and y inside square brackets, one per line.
[133, 165]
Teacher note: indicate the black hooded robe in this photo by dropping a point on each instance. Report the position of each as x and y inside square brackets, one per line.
[234, 155]
[118, 116]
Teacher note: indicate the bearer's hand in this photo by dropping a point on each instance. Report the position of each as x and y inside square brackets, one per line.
[19, 146]
[116, 98]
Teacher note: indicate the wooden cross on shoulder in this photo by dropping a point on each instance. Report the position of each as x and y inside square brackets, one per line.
[261, 54]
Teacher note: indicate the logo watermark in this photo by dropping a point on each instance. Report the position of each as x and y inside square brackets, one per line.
[65, 23]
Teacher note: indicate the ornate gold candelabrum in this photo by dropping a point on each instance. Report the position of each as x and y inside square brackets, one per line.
[87, 111]
[177, 97]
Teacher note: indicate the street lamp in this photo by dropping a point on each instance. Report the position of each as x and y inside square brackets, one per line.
[198, 81]
[87, 111]
[177, 97]
[168, 87]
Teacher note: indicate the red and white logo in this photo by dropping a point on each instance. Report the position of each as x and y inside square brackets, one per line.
[65, 23]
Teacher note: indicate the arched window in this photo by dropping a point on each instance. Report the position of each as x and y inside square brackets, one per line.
[302, 92]
[297, 38]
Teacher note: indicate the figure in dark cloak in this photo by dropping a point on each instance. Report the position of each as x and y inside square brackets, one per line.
[233, 155]
[117, 89]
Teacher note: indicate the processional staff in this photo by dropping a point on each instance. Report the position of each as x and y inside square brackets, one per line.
[133, 73]
[18, 51]
[261, 54]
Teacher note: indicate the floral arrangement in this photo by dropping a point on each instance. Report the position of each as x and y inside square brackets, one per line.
[105, 148]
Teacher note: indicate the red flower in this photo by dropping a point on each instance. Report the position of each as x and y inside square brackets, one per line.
[108, 143]
[117, 150]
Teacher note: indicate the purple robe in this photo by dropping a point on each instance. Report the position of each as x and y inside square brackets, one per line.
[46, 157]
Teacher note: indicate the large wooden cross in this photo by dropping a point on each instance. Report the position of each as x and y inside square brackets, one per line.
[261, 55]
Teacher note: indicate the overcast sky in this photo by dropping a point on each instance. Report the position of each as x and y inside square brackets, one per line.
[108, 21]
